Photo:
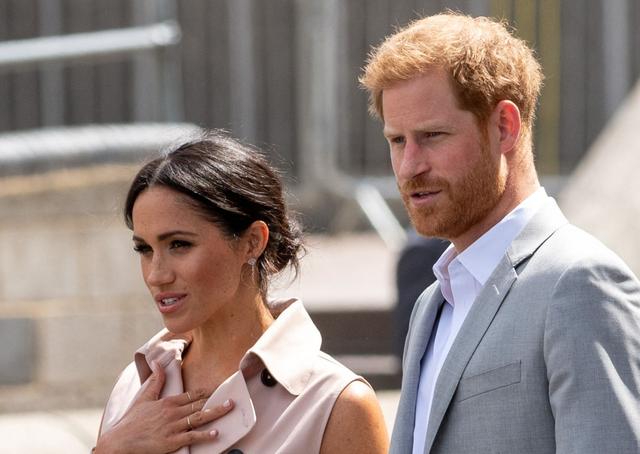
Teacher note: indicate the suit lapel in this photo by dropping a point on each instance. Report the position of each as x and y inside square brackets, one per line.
[546, 221]
[417, 339]
[471, 332]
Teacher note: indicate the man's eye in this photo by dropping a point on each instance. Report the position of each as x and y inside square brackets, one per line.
[397, 140]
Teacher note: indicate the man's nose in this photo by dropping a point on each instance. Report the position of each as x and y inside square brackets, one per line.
[415, 161]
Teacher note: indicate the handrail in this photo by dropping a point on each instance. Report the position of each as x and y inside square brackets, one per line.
[33, 51]
[36, 151]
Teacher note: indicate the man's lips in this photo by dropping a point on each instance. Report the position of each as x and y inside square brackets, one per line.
[423, 194]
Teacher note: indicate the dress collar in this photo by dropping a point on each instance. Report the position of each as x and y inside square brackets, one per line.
[288, 348]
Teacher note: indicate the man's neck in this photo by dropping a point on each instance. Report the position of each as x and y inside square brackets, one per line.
[507, 203]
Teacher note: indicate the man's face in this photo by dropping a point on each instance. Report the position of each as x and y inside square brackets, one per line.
[448, 172]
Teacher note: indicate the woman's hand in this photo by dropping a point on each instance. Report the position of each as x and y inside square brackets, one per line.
[155, 426]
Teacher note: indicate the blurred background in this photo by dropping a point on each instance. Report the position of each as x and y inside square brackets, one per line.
[90, 88]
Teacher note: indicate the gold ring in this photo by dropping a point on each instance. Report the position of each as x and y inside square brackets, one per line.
[192, 410]
[189, 423]
[189, 396]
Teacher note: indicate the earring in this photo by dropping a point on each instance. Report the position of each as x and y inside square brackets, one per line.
[252, 261]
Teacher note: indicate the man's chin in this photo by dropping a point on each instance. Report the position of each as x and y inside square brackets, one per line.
[427, 226]
[445, 227]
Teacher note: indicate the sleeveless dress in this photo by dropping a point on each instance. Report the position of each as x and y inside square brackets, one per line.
[284, 389]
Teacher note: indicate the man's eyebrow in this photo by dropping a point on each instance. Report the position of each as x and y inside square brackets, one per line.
[432, 125]
[386, 132]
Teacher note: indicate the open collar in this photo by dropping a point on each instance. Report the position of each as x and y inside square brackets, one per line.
[287, 348]
[483, 256]
[163, 348]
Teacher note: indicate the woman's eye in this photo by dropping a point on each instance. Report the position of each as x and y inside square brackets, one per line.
[141, 248]
[180, 244]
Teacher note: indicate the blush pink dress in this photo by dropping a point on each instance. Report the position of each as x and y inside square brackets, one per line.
[284, 389]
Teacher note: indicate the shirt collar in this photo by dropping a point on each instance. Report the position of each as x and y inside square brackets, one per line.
[441, 272]
[483, 255]
[288, 348]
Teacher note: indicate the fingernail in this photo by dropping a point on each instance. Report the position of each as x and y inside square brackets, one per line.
[213, 433]
[227, 403]
[207, 410]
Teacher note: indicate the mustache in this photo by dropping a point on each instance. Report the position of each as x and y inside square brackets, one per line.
[422, 182]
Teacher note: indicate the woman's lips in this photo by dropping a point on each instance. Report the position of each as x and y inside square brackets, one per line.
[169, 302]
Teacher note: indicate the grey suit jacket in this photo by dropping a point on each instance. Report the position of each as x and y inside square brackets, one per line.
[548, 359]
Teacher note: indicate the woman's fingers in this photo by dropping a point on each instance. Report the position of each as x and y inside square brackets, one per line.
[191, 407]
[188, 397]
[207, 415]
[193, 420]
[154, 384]
[195, 436]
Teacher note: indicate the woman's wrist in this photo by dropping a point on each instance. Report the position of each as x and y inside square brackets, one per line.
[104, 447]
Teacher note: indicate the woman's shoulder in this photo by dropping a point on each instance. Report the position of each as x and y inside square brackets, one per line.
[356, 423]
[330, 379]
[327, 364]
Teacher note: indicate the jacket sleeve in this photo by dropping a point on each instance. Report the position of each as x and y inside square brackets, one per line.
[592, 353]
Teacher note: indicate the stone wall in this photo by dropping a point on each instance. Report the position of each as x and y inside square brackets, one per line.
[72, 305]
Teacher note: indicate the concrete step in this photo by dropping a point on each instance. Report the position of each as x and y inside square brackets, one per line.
[363, 341]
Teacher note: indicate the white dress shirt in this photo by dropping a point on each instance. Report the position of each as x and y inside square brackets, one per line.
[461, 277]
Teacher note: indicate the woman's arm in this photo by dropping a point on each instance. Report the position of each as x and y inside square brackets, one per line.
[356, 424]
[154, 425]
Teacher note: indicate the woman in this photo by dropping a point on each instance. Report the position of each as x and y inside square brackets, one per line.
[210, 224]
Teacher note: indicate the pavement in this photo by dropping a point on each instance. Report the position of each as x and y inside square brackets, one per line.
[346, 272]
[74, 431]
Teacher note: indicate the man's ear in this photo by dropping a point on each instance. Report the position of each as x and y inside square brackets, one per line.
[256, 238]
[506, 116]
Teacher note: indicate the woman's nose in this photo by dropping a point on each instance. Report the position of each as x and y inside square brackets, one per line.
[158, 272]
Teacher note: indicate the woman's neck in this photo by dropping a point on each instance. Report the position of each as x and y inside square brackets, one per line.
[218, 345]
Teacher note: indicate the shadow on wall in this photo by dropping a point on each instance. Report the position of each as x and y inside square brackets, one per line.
[603, 194]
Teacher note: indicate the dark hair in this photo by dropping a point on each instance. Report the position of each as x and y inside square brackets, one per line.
[232, 185]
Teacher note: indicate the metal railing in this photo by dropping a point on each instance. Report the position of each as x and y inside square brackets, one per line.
[26, 53]
[151, 48]
[53, 147]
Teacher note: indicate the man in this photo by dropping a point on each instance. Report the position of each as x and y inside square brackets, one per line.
[529, 341]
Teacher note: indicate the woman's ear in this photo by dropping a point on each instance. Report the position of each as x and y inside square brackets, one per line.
[506, 116]
[256, 238]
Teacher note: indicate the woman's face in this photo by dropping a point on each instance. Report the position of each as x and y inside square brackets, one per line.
[191, 268]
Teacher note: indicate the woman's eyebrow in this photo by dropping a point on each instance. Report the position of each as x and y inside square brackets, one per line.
[164, 236]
